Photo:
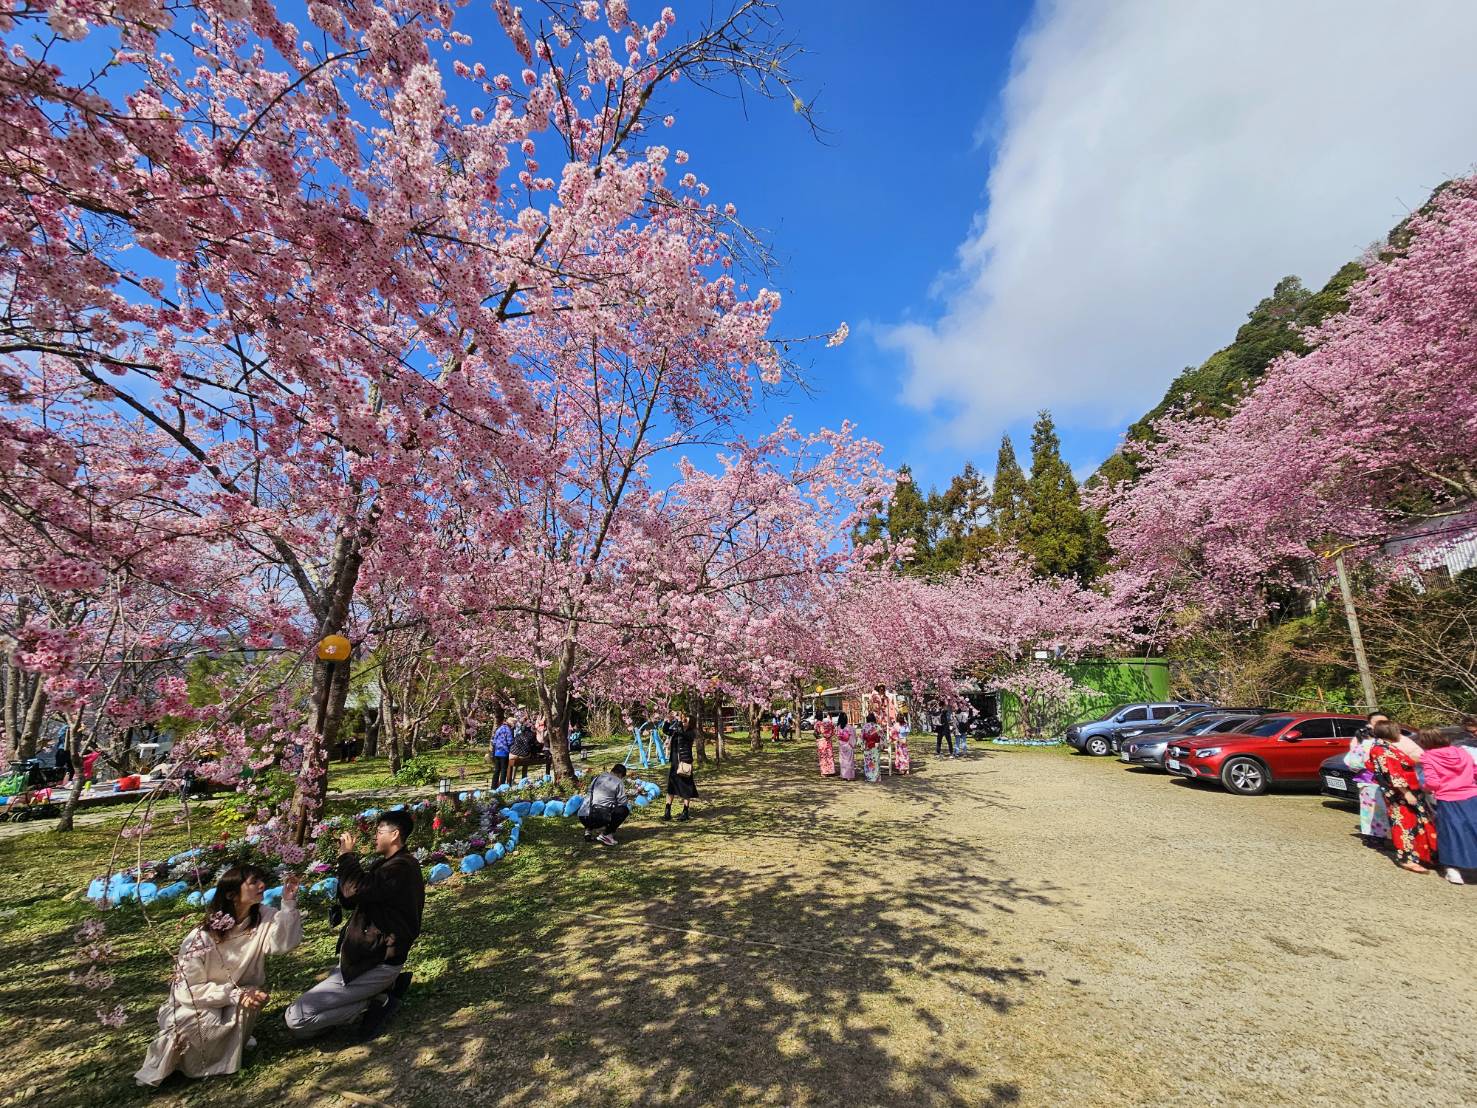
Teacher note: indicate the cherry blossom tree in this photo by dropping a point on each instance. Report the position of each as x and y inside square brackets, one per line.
[347, 277]
[1334, 448]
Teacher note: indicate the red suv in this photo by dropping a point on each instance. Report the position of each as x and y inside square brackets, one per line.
[1286, 746]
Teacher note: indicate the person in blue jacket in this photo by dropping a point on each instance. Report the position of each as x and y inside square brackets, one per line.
[502, 743]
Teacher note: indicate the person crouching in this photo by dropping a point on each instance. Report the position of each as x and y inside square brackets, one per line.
[388, 900]
[604, 807]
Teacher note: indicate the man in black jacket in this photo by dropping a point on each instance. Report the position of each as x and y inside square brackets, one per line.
[387, 899]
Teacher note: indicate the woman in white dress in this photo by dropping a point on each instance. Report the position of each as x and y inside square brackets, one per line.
[216, 990]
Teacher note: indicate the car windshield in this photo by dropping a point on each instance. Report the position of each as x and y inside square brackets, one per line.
[1206, 725]
[1111, 712]
[1182, 716]
[1266, 725]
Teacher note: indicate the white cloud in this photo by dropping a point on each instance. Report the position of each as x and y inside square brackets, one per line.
[1160, 165]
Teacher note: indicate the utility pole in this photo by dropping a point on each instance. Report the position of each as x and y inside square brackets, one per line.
[1361, 660]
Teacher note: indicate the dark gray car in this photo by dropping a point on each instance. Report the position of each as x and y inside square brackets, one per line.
[1149, 750]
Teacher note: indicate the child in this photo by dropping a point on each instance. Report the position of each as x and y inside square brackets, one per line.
[871, 740]
[900, 758]
[845, 748]
[1451, 779]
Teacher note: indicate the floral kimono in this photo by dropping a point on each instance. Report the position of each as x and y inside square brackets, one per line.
[202, 1026]
[871, 762]
[1412, 830]
[824, 730]
[1374, 819]
[900, 758]
[844, 745]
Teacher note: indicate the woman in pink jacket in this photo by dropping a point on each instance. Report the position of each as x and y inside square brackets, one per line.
[1451, 779]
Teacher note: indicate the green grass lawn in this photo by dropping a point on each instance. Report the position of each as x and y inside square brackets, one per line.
[56, 1052]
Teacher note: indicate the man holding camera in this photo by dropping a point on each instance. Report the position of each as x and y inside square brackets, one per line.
[387, 900]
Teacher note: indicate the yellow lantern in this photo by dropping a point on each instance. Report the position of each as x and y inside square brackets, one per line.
[820, 689]
[334, 648]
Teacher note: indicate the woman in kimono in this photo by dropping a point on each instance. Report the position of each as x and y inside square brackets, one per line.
[871, 740]
[824, 730]
[1394, 760]
[901, 760]
[216, 990]
[1374, 820]
[845, 748]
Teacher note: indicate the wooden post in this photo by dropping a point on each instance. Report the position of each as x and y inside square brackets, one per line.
[1361, 660]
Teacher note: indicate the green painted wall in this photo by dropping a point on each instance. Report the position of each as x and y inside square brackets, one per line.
[1114, 681]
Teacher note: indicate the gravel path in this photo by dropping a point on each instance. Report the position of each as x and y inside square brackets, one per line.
[1015, 928]
[1199, 948]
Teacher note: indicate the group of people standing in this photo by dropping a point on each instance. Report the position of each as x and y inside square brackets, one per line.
[518, 743]
[838, 745]
[1419, 792]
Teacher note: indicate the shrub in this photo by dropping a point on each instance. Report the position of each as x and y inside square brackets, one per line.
[420, 770]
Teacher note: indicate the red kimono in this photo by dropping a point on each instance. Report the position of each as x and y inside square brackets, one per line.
[1412, 829]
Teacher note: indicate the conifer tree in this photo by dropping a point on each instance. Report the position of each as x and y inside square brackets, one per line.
[1056, 531]
[962, 521]
[1008, 497]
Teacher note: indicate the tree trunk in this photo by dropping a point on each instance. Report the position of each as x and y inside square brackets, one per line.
[74, 748]
[330, 689]
[35, 715]
[718, 727]
[554, 703]
[371, 732]
[756, 740]
[12, 676]
[700, 737]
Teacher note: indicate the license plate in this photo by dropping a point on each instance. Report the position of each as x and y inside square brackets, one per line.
[1336, 783]
[1171, 763]
[1123, 757]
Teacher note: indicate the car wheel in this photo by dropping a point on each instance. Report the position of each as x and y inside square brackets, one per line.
[1097, 745]
[1245, 776]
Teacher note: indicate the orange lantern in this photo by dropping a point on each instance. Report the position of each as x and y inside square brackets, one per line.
[334, 648]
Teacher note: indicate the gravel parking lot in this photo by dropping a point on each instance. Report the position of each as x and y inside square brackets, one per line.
[1199, 948]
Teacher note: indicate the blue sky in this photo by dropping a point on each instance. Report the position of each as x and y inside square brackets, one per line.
[865, 219]
[1061, 205]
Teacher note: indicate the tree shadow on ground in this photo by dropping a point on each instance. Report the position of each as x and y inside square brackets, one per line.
[782, 948]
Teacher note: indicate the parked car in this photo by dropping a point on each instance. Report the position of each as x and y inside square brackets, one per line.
[1282, 748]
[1337, 780]
[1180, 721]
[1148, 750]
[1095, 736]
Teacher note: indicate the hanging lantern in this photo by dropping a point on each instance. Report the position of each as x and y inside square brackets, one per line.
[334, 648]
[819, 689]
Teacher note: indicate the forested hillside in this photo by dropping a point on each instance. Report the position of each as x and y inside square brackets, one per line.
[1272, 328]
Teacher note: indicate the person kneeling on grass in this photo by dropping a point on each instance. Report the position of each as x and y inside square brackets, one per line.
[388, 900]
[605, 808]
[216, 992]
